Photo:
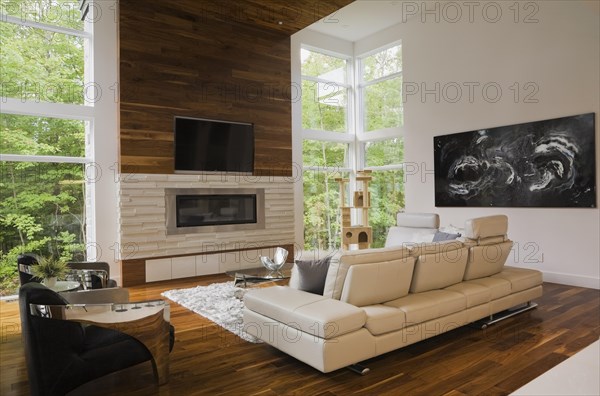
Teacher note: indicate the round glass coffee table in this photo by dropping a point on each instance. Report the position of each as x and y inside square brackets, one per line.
[64, 286]
[259, 275]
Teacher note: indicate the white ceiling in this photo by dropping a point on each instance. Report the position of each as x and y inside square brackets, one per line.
[360, 19]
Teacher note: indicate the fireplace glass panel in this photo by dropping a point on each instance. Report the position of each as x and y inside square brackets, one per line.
[210, 210]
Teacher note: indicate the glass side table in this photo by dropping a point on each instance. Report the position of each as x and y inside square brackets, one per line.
[64, 286]
[259, 275]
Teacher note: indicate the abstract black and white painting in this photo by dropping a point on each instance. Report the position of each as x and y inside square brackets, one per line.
[548, 163]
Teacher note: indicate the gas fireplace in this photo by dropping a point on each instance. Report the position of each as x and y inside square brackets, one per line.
[214, 210]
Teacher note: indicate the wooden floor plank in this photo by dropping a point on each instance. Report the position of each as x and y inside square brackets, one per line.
[208, 360]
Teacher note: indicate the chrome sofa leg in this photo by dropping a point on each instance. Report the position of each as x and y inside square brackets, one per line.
[358, 369]
[484, 323]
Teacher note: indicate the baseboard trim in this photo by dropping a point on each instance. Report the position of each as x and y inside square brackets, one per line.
[572, 280]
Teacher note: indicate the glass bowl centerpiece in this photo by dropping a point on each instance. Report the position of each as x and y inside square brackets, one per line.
[277, 262]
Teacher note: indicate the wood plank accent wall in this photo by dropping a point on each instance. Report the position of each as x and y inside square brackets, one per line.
[201, 58]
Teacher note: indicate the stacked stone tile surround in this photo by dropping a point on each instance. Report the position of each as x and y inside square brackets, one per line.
[142, 218]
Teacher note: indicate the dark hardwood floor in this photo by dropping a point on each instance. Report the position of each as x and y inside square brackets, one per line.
[209, 360]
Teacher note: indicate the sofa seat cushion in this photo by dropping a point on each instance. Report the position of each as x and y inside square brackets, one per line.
[369, 284]
[270, 301]
[498, 287]
[421, 307]
[520, 278]
[383, 319]
[313, 314]
[474, 293]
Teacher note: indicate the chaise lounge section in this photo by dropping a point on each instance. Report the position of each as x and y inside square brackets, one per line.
[379, 300]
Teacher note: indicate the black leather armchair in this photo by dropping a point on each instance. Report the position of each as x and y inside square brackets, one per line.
[91, 275]
[65, 350]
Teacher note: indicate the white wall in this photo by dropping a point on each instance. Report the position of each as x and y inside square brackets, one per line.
[559, 54]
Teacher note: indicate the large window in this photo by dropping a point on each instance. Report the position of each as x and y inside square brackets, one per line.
[351, 121]
[381, 89]
[44, 133]
[326, 115]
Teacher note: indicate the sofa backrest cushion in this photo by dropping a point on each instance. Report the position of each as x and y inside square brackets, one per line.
[485, 227]
[438, 265]
[338, 269]
[412, 227]
[377, 283]
[488, 244]
[486, 260]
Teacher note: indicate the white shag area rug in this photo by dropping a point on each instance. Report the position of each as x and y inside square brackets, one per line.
[222, 303]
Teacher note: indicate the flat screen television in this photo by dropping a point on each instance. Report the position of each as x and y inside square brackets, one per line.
[203, 145]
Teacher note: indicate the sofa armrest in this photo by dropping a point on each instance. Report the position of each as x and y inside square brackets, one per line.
[310, 313]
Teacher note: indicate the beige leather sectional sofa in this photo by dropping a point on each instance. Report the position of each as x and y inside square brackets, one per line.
[379, 300]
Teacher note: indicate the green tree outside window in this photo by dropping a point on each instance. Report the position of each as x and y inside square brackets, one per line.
[42, 204]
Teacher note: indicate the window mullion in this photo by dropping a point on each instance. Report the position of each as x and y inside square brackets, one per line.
[328, 169]
[43, 26]
[380, 134]
[380, 79]
[327, 136]
[324, 81]
[359, 110]
[46, 109]
[43, 158]
[386, 167]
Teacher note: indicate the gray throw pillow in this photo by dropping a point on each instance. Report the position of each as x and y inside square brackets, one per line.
[444, 236]
[312, 274]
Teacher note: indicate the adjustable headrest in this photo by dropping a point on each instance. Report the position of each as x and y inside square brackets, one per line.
[418, 220]
[27, 259]
[486, 227]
